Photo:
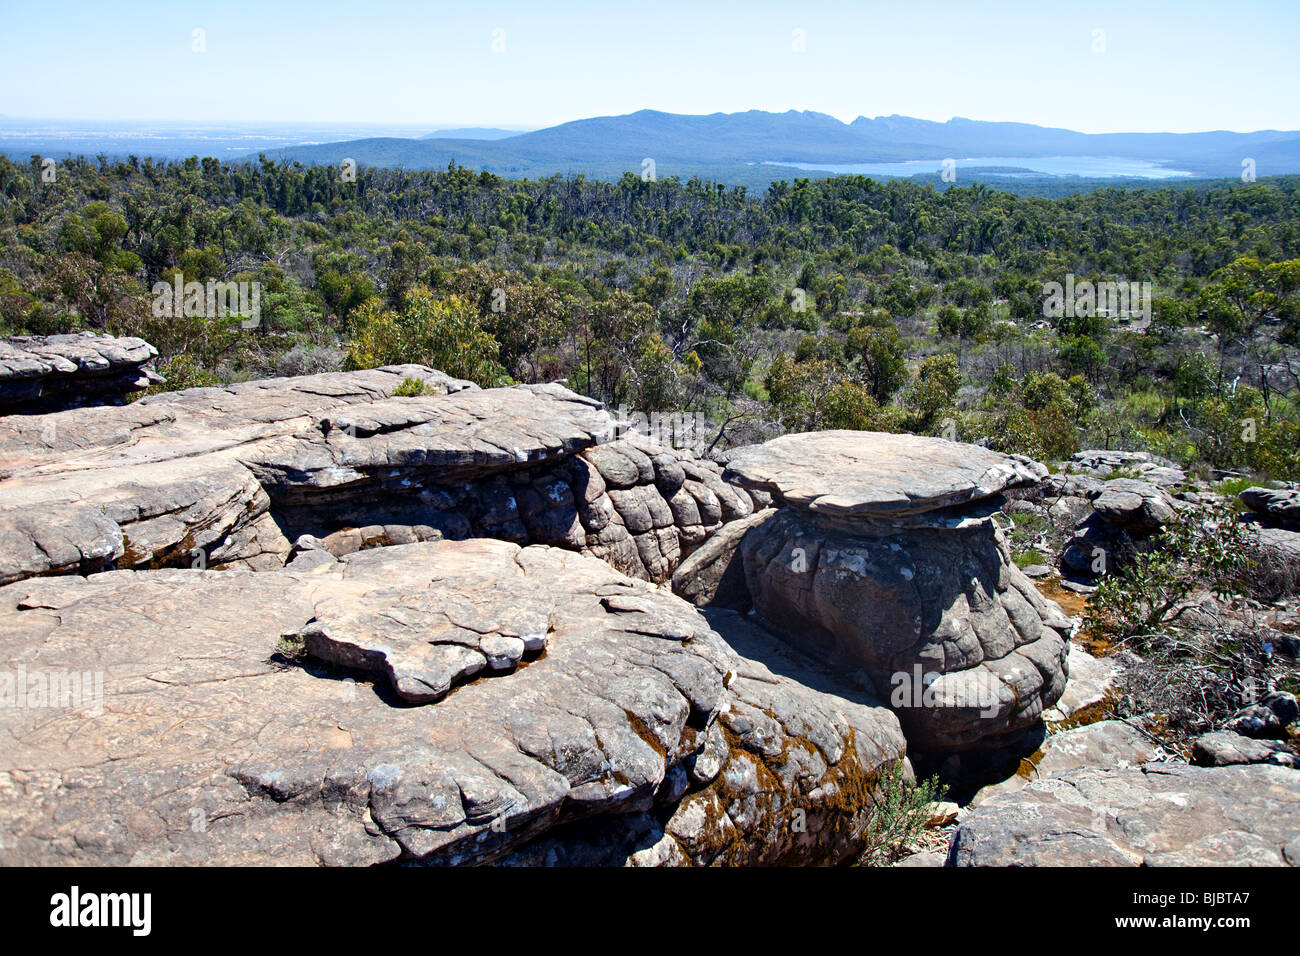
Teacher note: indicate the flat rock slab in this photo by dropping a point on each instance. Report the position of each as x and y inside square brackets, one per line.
[851, 474]
[1161, 814]
[161, 722]
[1111, 744]
[189, 478]
[460, 437]
[1282, 504]
[45, 372]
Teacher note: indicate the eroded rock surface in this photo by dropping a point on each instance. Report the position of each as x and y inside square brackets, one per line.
[854, 474]
[1279, 504]
[232, 477]
[206, 746]
[1160, 814]
[41, 373]
[885, 560]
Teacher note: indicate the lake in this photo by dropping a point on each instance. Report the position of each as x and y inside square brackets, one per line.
[1089, 167]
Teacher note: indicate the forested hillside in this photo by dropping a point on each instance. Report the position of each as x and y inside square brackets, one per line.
[832, 303]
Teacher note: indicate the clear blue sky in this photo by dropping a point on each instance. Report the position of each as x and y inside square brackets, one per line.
[1175, 66]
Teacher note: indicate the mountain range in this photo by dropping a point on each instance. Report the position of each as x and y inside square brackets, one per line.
[756, 147]
[752, 148]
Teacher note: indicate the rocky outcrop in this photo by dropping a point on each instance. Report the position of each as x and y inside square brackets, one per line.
[42, 373]
[1279, 504]
[884, 560]
[626, 728]
[1150, 468]
[232, 477]
[1160, 814]
[1121, 519]
[1224, 748]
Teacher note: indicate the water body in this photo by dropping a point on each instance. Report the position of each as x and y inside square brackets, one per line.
[1089, 167]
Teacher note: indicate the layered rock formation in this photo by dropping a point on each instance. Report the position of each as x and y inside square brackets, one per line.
[884, 559]
[41, 373]
[233, 477]
[626, 730]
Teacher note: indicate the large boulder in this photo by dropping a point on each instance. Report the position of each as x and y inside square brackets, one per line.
[1279, 504]
[1224, 748]
[1130, 504]
[167, 720]
[1160, 814]
[885, 560]
[42, 373]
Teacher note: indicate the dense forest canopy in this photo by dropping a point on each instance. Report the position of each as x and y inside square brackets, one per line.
[831, 303]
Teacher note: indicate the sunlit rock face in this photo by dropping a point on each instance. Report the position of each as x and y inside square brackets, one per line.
[235, 477]
[43, 373]
[884, 559]
[450, 702]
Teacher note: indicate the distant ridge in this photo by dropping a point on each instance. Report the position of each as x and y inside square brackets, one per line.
[717, 144]
[752, 148]
[473, 132]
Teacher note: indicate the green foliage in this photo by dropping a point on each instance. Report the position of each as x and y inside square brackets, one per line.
[678, 294]
[441, 333]
[932, 392]
[1208, 549]
[411, 388]
[899, 814]
[181, 371]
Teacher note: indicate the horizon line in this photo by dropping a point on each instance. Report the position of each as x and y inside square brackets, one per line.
[516, 128]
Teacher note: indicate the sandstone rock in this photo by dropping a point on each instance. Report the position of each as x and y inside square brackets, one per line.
[1151, 468]
[228, 477]
[925, 604]
[1161, 814]
[1126, 503]
[1064, 484]
[926, 858]
[1223, 748]
[1092, 680]
[942, 813]
[1110, 744]
[1279, 504]
[715, 573]
[42, 373]
[849, 474]
[1268, 718]
[207, 746]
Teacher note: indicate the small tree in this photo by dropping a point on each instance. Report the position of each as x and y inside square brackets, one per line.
[441, 333]
[1206, 549]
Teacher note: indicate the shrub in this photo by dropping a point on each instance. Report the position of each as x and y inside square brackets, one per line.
[411, 388]
[899, 815]
[441, 333]
[1208, 549]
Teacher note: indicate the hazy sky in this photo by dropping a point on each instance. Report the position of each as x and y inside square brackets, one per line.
[1177, 66]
